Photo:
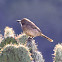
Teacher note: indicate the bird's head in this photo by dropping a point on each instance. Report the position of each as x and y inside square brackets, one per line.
[23, 21]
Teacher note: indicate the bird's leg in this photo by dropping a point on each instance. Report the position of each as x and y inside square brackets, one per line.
[30, 38]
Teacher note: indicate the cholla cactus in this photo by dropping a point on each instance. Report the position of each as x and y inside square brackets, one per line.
[15, 53]
[21, 38]
[9, 37]
[9, 32]
[58, 53]
[18, 48]
[38, 57]
[31, 45]
[6, 41]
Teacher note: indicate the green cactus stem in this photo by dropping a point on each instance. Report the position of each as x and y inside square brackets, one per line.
[21, 38]
[31, 45]
[7, 40]
[15, 53]
[58, 53]
[38, 57]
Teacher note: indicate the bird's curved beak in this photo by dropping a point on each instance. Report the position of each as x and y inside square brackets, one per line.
[18, 20]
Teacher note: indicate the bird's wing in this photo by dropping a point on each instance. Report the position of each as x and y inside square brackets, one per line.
[34, 26]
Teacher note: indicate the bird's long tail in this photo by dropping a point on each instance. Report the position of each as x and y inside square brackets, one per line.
[47, 37]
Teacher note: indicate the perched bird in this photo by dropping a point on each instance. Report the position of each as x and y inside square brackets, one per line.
[30, 29]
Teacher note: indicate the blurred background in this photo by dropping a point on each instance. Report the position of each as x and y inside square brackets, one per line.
[46, 14]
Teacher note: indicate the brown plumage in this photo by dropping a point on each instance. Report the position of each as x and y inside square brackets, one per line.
[30, 29]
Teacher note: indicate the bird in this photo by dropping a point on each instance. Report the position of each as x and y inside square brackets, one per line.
[30, 29]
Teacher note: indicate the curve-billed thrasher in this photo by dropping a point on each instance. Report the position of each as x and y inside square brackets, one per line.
[30, 29]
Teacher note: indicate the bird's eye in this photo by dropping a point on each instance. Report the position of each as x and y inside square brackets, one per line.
[23, 23]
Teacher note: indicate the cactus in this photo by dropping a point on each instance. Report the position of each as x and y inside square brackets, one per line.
[31, 45]
[15, 53]
[21, 38]
[7, 41]
[9, 37]
[36, 55]
[58, 53]
[18, 48]
[9, 32]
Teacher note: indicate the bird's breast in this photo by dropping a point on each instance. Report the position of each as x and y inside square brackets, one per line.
[30, 31]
